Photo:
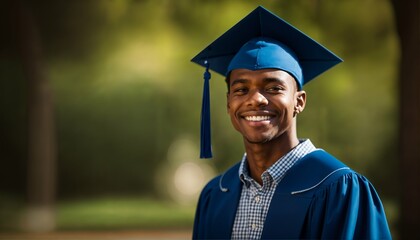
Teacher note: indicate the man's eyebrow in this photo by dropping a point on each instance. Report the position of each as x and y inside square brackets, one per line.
[277, 80]
[238, 81]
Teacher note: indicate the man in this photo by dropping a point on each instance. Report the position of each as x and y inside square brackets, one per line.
[283, 187]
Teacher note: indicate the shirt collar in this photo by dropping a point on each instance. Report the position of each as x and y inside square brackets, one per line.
[280, 167]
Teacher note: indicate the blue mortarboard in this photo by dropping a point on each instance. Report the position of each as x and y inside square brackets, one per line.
[261, 40]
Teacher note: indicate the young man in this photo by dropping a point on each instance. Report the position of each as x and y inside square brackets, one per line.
[283, 187]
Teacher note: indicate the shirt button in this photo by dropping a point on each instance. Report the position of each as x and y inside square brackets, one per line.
[257, 199]
[254, 226]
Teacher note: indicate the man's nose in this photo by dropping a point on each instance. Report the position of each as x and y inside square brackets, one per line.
[257, 98]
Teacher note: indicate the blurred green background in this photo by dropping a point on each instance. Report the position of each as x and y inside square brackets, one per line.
[127, 102]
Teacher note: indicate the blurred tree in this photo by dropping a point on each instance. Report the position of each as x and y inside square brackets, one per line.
[407, 14]
[41, 167]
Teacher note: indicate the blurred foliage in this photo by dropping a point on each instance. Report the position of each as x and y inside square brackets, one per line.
[123, 213]
[110, 213]
[125, 90]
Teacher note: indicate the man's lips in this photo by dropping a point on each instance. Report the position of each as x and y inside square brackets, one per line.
[257, 116]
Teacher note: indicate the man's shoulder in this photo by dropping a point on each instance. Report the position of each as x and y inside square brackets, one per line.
[313, 170]
[322, 159]
[320, 162]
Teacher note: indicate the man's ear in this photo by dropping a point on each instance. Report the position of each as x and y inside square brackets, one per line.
[300, 101]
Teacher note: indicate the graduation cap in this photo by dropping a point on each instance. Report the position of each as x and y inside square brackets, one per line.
[261, 40]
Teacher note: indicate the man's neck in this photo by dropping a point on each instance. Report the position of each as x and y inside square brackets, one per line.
[260, 157]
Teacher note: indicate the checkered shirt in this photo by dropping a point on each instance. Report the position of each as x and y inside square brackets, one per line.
[255, 199]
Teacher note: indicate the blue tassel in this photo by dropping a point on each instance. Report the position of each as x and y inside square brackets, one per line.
[205, 145]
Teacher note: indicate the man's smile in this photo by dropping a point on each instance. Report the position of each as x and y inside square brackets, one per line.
[257, 118]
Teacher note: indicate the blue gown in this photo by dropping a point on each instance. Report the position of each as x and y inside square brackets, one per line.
[319, 198]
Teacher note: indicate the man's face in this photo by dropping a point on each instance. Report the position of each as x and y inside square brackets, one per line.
[262, 104]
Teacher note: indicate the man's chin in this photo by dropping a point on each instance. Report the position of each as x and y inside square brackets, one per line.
[257, 140]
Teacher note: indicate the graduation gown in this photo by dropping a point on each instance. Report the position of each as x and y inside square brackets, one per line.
[319, 197]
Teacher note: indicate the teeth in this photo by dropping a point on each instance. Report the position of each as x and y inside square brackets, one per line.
[257, 118]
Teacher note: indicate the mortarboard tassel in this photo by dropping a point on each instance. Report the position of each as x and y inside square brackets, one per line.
[205, 145]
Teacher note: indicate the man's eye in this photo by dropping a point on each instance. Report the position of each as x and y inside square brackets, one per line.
[240, 90]
[274, 89]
